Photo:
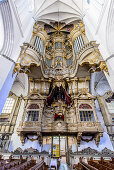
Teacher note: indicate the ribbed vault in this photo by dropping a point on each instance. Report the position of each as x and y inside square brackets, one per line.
[59, 10]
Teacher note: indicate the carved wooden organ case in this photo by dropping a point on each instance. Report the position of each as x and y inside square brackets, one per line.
[59, 60]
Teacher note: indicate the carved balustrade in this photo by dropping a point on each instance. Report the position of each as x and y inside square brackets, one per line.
[31, 126]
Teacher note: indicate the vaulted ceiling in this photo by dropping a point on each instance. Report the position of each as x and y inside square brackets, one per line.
[58, 10]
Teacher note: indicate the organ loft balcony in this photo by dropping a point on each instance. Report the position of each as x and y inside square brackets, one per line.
[60, 113]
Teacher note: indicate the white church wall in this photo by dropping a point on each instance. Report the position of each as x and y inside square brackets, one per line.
[20, 85]
[104, 142]
[15, 139]
[96, 29]
[6, 84]
[99, 86]
[20, 35]
[20, 88]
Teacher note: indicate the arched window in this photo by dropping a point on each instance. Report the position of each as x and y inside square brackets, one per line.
[86, 113]
[8, 105]
[33, 112]
[78, 44]
[39, 44]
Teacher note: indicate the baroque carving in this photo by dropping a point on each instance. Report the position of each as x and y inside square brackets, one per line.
[55, 83]
[97, 138]
[94, 153]
[22, 137]
[87, 140]
[79, 135]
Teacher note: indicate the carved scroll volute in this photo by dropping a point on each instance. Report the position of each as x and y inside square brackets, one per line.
[79, 138]
[97, 138]
[22, 137]
[40, 139]
[103, 67]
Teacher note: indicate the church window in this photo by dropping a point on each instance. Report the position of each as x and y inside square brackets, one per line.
[39, 44]
[8, 105]
[86, 113]
[78, 44]
[33, 112]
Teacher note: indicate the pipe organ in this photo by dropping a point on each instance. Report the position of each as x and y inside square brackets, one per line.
[59, 64]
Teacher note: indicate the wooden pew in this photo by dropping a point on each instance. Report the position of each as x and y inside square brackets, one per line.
[39, 166]
[10, 164]
[24, 166]
[101, 165]
[106, 163]
[83, 166]
[2, 162]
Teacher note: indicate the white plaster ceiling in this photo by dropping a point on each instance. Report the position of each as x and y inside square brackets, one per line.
[58, 10]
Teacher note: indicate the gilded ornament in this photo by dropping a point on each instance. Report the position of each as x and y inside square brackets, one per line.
[61, 90]
[104, 67]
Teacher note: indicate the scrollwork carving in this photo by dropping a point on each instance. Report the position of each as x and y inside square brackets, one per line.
[97, 138]
[79, 137]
